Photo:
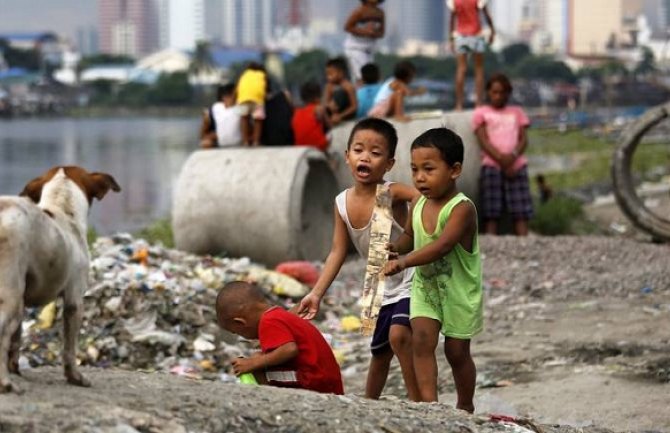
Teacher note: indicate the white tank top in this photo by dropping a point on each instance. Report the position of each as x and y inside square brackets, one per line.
[398, 285]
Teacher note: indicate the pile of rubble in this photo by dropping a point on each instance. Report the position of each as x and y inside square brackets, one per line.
[151, 308]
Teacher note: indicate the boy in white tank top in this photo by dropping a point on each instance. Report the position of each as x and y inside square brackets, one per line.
[370, 154]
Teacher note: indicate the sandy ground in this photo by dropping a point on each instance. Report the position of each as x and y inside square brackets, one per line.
[577, 334]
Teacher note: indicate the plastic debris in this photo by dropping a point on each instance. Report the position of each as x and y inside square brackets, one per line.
[350, 324]
[303, 271]
[46, 317]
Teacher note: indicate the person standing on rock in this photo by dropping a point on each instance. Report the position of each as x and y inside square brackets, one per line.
[447, 285]
[364, 26]
[465, 37]
[370, 154]
[293, 354]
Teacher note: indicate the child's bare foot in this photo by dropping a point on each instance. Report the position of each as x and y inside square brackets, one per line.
[470, 408]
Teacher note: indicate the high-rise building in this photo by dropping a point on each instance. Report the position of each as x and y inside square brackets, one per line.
[246, 22]
[421, 20]
[128, 27]
[186, 23]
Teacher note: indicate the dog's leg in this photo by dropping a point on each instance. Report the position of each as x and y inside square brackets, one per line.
[73, 306]
[10, 319]
[15, 349]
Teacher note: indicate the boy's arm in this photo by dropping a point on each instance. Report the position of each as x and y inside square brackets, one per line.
[261, 361]
[522, 143]
[460, 222]
[353, 101]
[402, 192]
[489, 21]
[405, 241]
[381, 30]
[350, 25]
[322, 117]
[309, 305]
[327, 94]
[452, 26]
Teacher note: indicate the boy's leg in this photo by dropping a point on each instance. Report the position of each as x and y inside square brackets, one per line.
[377, 373]
[425, 332]
[244, 129]
[461, 69]
[521, 227]
[258, 129]
[479, 78]
[491, 194]
[400, 338]
[464, 371]
[518, 200]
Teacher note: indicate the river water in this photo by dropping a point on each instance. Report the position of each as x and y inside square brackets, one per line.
[143, 154]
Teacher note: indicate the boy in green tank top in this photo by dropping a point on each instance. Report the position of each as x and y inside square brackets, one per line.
[446, 293]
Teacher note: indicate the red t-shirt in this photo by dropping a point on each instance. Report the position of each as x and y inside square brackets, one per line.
[467, 16]
[314, 368]
[307, 129]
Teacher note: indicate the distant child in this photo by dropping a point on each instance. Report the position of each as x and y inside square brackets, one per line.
[447, 285]
[340, 94]
[501, 130]
[221, 123]
[544, 188]
[465, 37]
[293, 353]
[390, 99]
[370, 154]
[311, 122]
[366, 94]
[364, 26]
[251, 91]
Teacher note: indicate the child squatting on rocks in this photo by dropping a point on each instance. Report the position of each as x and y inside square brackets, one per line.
[370, 154]
[293, 354]
[446, 289]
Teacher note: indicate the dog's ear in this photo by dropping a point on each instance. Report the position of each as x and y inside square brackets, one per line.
[33, 189]
[101, 183]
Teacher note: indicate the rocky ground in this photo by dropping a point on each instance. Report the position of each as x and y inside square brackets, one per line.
[577, 335]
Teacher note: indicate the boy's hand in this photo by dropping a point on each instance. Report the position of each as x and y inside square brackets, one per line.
[394, 266]
[392, 253]
[335, 119]
[309, 306]
[247, 365]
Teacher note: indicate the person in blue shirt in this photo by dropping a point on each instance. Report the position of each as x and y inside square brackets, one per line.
[368, 91]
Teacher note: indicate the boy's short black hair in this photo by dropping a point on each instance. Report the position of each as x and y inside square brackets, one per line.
[501, 78]
[339, 63]
[404, 70]
[370, 73]
[256, 66]
[225, 90]
[443, 139]
[310, 91]
[381, 127]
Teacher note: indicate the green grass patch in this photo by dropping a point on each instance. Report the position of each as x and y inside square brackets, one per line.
[561, 215]
[158, 232]
[592, 157]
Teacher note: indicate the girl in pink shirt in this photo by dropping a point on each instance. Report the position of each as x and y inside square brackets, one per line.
[501, 130]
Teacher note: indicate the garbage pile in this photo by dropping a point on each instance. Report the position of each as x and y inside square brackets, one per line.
[151, 308]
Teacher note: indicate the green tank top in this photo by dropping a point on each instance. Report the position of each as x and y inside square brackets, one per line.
[450, 287]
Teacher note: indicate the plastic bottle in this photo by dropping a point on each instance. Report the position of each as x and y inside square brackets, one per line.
[248, 379]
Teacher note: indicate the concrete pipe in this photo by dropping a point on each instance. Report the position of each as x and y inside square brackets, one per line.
[624, 188]
[460, 122]
[269, 203]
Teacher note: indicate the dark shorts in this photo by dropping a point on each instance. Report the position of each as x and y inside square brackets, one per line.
[499, 193]
[391, 314]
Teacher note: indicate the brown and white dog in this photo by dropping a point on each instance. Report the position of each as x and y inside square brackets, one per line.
[43, 255]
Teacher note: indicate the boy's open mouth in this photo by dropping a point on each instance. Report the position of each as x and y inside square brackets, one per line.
[363, 169]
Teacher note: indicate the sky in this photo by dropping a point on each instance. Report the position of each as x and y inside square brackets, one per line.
[60, 16]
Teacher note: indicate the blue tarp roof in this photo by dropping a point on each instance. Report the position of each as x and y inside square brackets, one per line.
[14, 73]
[27, 36]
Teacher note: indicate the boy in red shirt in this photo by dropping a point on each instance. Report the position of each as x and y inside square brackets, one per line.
[293, 353]
[310, 122]
[465, 37]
